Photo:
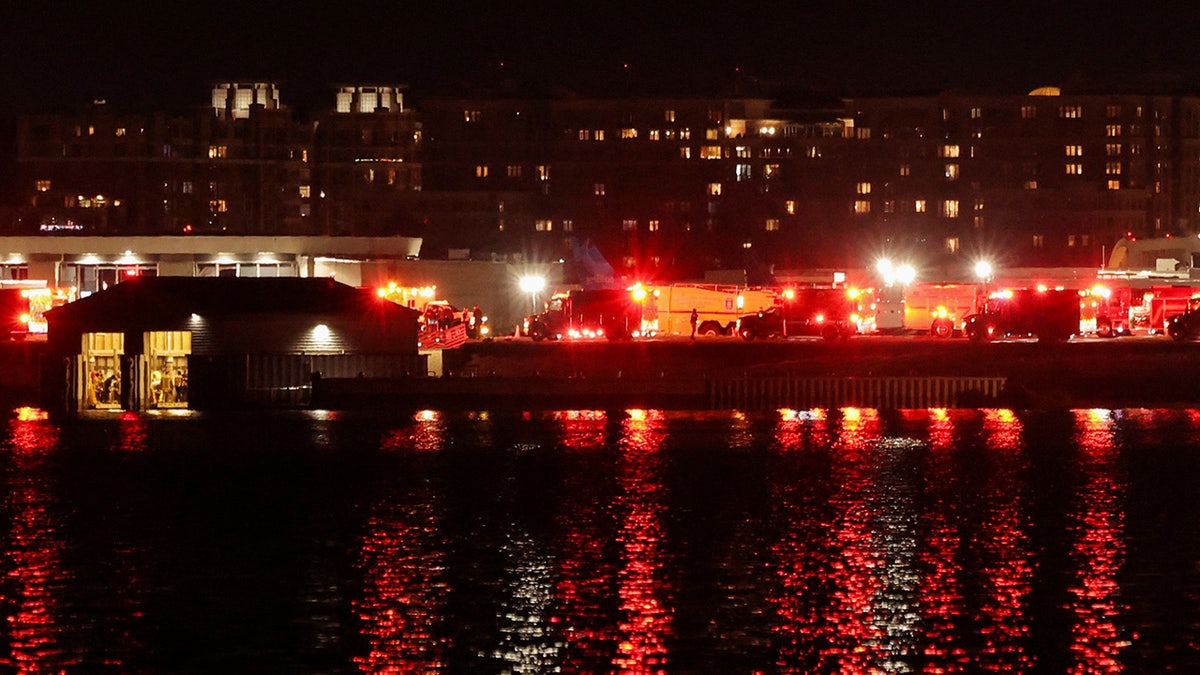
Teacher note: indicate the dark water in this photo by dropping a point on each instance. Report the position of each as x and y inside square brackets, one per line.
[802, 541]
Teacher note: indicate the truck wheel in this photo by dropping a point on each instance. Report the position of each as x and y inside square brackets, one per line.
[941, 329]
[710, 329]
[538, 332]
[748, 334]
[830, 333]
[979, 332]
[1177, 332]
[1104, 328]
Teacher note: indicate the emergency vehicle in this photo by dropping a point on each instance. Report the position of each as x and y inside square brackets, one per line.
[14, 313]
[668, 309]
[938, 309]
[1047, 314]
[615, 314]
[832, 313]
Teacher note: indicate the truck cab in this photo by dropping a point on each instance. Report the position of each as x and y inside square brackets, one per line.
[609, 313]
[1047, 314]
[830, 313]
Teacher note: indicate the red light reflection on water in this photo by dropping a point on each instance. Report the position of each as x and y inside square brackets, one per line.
[34, 551]
[1098, 549]
[940, 591]
[645, 622]
[585, 578]
[1005, 567]
[427, 433]
[132, 432]
[404, 593]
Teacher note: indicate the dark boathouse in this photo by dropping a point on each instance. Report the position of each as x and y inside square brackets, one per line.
[220, 342]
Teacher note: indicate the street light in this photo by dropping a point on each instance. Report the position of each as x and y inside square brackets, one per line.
[983, 270]
[532, 285]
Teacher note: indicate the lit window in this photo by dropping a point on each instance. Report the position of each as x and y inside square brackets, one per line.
[598, 189]
[951, 244]
[1074, 169]
[585, 135]
[976, 113]
[1070, 112]
[1112, 149]
[772, 225]
[1114, 183]
[43, 186]
[305, 191]
[862, 206]
[217, 151]
[950, 208]
[543, 225]
[862, 188]
[950, 151]
[629, 225]
[979, 222]
[1070, 240]
[710, 152]
[951, 172]
[1028, 112]
[598, 134]
[481, 170]
[470, 116]
[629, 261]
[513, 170]
[742, 172]
[712, 134]
[120, 131]
[1112, 130]
[978, 206]
[685, 134]
[714, 189]
[669, 115]
[1074, 150]
[1030, 185]
[685, 153]
[652, 226]
[218, 206]
[905, 169]
[543, 172]
[790, 207]
[1112, 168]
[889, 206]
[919, 206]
[653, 134]
[770, 170]
[628, 133]
[568, 225]
[187, 187]
[1039, 241]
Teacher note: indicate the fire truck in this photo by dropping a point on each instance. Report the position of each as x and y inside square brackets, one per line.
[14, 313]
[832, 313]
[668, 309]
[1048, 314]
[615, 314]
[937, 309]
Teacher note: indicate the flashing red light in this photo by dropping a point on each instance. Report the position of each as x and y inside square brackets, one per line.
[131, 273]
[187, 229]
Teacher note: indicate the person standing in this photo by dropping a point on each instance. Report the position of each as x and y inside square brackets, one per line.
[694, 318]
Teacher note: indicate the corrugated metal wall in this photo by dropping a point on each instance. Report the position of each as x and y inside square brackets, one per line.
[286, 379]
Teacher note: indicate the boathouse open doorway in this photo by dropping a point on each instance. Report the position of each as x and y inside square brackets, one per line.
[100, 370]
[166, 369]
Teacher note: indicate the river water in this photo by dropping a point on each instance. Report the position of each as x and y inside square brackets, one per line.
[602, 541]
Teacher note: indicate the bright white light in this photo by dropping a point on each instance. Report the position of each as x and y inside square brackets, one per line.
[321, 333]
[532, 284]
[884, 267]
[905, 274]
[983, 269]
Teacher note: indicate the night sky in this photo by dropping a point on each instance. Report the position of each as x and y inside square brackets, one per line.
[55, 56]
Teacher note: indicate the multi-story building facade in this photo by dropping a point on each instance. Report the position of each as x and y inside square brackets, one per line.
[666, 188]
[1043, 179]
[243, 166]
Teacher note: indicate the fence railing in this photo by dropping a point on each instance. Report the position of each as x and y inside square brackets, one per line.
[866, 392]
